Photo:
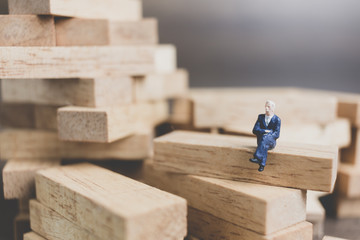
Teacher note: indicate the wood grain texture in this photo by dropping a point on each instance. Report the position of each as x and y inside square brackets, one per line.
[105, 125]
[161, 86]
[209, 227]
[351, 154]
[223, 156]
[85, 62]
[110, 205]
[97, 32]
[347, 207]
[260, 208]
[19, 176]
[27, 30]
[33, 236]
[109, 9]
[348, 180]
[78, 92]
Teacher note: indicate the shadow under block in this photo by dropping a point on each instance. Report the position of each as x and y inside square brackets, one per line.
[96, 32]
[21, 225]
[347, 207]
[19, 176]
[27, 30]
[209, 227]
[223, 156]
[78, 92]
[106, 125]
[45, 117]
[351, 154]
[224, 106]
[85, 62]
[45, 144]
[260, 208]
[33, 236]
[103, 9]
[348, 180]
[110, 205]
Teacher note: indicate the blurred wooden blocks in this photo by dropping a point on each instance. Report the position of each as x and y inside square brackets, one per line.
[251, 206]
[17, 115]
[224, 156]
[27, 30]
[78, 92]
[332, 238]
[33, 236]
[95, 32]
[110, 205]
[21, 225]
[109, 9]
[85, 62]
[45, 117]
[161, 86]
[352, 153]
[108, 124]
[349, 107]
[315, 213]
[19, 176]
[182, 111]
[348, 180]
[209, 227]
[347, 207]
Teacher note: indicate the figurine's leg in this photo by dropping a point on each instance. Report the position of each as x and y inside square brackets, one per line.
[261, 153]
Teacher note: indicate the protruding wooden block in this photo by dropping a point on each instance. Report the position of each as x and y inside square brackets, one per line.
[33, 236]
[260, 208]
[352, 153]
[209, 227]
[19, 176]
[347, 207]
[109, 124]
[96, 32]
[85, 62]
[78, 92]
[348, 180]
[223, 156]
[110, 205]
[109, 9]
[27, 30]
[21, 225]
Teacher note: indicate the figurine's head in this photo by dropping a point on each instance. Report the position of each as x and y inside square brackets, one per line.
[269, 108]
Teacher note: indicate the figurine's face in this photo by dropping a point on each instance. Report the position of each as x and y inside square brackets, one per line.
[269, 110]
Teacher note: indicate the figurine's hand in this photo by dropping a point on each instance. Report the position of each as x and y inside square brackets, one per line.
[267, 131]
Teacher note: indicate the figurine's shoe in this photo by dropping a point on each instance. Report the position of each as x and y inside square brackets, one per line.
[261, 168]
[254, 160]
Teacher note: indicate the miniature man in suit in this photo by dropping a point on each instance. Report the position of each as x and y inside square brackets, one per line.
[267, 130]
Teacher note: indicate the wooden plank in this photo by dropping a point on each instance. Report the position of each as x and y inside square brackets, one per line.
[347, 207]
[161, 86]
[27, 30]
[17, 115]
[223, 156]
[351, 154]
[260, 208]
[105, 125]
[221, 106]
[110, 205]
[45, 117]
[19, 176]
[96, 32]
[21, 225]
[85, 62]
[348, 180]
[109, 9]
[209, 227]
[33, 236]
[78, 92]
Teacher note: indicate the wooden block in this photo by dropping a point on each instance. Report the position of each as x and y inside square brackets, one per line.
[182, 111]
[21, 225]
[108, 124]
[51, 224]
[96, 32]
[332, 238]
[251, 206]
[78, 92]
[162, 86]
[315, 213]
[347, 207]
[110, 205]
[17, 115]
[348, 180]
[24, 204]
[209, 227]
[19, 176]
[109, 9]
[45, 117]
[33, 236]
[85, 62]
[349, 107]
[352, 153]
[27, 30]
[223, 156]
[220, 107]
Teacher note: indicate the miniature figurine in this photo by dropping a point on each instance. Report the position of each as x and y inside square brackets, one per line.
[267, 130]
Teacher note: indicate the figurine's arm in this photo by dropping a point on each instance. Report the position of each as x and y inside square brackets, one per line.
[257, 130]
[276, 132]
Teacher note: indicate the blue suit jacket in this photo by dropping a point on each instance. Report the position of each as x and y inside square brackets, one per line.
[260, 127]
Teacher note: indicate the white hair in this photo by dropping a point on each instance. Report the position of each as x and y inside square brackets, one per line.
[272, 104]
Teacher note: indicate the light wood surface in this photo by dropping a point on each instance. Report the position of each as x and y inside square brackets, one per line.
[85, 62]
[349, 107]
[19, 176]
[110, 205]
[78, 92]
[260, 208]
[27, 30]
[96, 32]
[348, 180]
[33, 236]
[332, 238]
[315, 213]
[109, 124]
[109, 9]
[209, 227]
[182, 111]
[351, 154]
[223, 156]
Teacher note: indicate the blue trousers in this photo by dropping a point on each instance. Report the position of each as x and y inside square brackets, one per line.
[265, 143]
